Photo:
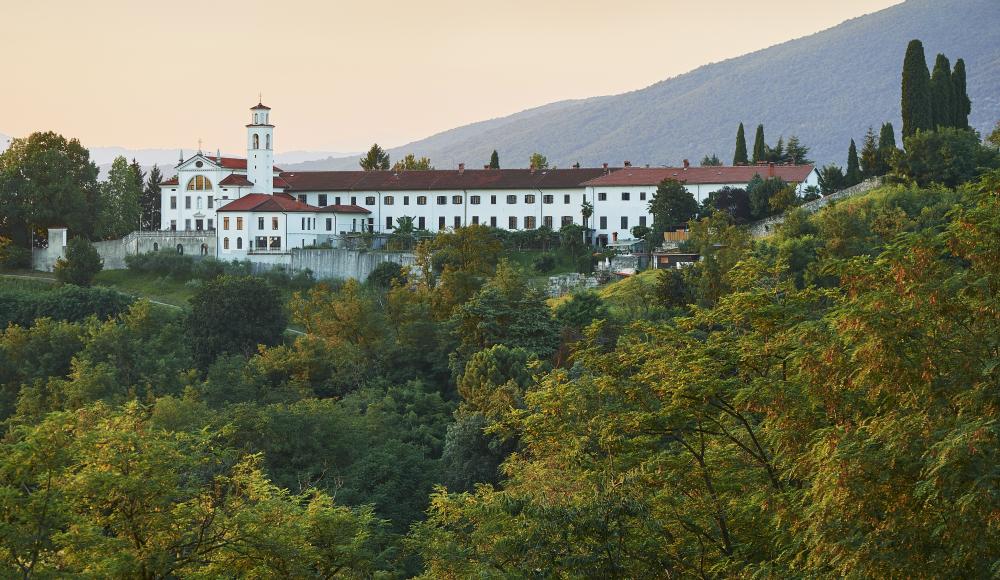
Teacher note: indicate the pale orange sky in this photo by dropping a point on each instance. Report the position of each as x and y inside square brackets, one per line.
[340, 75]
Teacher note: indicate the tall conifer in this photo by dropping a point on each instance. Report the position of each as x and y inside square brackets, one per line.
[942, 94]
[886, 146]
[916, 91]
[963, 106]
[853, 174]
[740, 157]
[870, 166]
[495, 160]
[759, 146]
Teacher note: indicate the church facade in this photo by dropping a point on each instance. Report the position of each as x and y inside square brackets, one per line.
[255, 208]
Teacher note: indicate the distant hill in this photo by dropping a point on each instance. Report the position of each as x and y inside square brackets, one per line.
[826, 88]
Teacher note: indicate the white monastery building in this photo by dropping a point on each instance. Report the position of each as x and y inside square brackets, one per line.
[256, 208]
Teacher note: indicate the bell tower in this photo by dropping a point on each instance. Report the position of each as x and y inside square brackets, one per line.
[260, 150]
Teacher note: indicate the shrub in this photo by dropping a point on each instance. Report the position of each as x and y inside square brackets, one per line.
[13, 257]
[81, 264]
[544, 263]
[69, 303]
[383, 274]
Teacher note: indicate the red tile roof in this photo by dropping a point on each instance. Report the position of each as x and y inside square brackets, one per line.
[701, 175]
[232, 162]
[343, 209]
[171, 181]
[439, 179]
[236, 180]
[265, 202]
[279, 182]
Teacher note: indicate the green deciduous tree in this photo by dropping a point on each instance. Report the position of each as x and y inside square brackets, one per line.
[948, 156]
[81, 264]
[917, 108]
[411, 163]
[711, 161]
[831, 179]
[120, 206]
[538, 161]
[672, 204]
[234, 314]
[375, 160]
[47, 181]
[740, 156]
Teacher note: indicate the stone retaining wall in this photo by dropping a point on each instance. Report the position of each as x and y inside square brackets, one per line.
[766, 227]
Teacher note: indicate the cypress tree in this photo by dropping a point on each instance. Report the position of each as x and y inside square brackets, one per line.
[886, 147]
[759, 146]
[494, 160]
[963, 106]
[853, 175]
[916, 91]
[942, 94]
[740, 157]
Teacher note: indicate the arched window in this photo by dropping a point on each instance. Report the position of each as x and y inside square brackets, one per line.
[204, 249]
[225, 243]
[256, 141]
[180, 249]
[239, 243]
[255, 119]
[199, 183]
[156, 247]
[267, 141]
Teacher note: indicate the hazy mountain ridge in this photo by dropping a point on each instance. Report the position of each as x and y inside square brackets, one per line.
[826, 88]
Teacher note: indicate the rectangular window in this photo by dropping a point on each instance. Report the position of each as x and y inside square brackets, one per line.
[440, 222]
[211, 224]
[187, 202]
[225, 243]
[529, 198]
[239, 223]
[458, 221]
[493, 200]
[624, 222]
[604, 223]
[547, 221]
[354, 201]
[456, 199]
[567, 219]
[642, 220]
[475, 220]
[530, 222]
[303, 223]
[406, 200]
[442, 199]
[302, 198]
[601, 196]
[211, 202]
[421, 223]
[626, 195]
[336, 201]
[329, 224]
[421, 200]
[512, 223]
[511, 199]
[173, 202]
[187, 225]
[387, 200]
[642, 196]
[474, 199]
[493, 221]
[388, 223]
[260, 223]
[547, 199]
[566, 198]
[322, 200]
[225, 223]
[173, 225]
[274, 223]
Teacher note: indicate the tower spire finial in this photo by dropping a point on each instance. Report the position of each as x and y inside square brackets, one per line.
[199, 145]
[260, 98]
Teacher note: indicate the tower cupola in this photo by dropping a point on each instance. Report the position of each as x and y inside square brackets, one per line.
[260, 150]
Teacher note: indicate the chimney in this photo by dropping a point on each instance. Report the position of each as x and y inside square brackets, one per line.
[461, 168]
[628, 163]
[605, 165]
[687, 164]
[487, 166]
[576, 165]
[770, 169]
[614, 236]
